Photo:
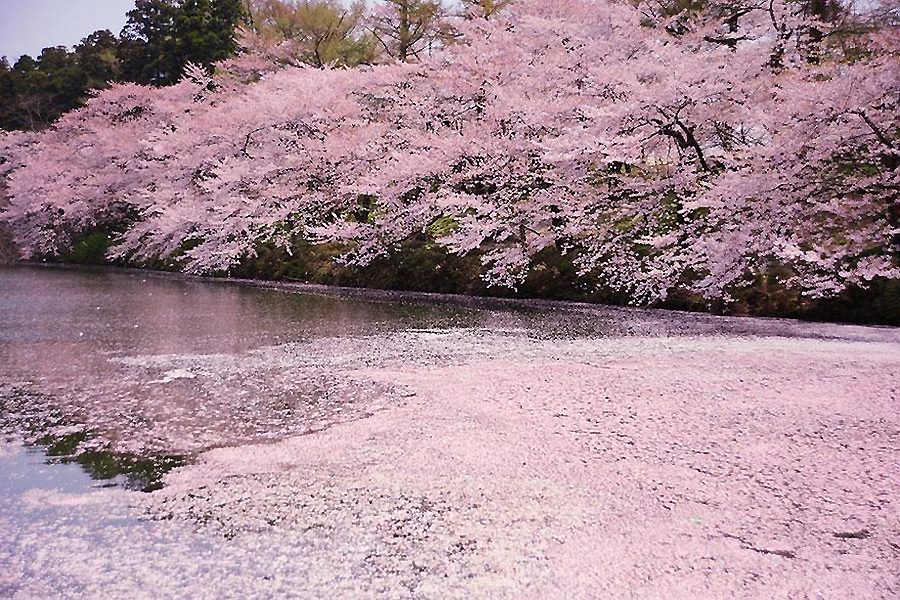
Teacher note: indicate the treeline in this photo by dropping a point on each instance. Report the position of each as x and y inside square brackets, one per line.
[34, 92]
[161, 37]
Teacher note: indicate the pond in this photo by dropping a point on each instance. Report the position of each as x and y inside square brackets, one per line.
[199, 437]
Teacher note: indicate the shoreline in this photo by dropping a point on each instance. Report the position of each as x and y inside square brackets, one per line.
[431, 298]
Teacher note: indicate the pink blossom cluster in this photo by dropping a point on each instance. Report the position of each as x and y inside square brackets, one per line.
[658, 151]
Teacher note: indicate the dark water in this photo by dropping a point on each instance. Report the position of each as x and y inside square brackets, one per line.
[122, 312]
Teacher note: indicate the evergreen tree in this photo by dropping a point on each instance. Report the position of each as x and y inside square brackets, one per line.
[161, 37]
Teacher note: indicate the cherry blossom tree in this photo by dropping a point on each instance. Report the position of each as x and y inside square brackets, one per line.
[658, 147]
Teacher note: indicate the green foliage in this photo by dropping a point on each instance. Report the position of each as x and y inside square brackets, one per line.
[767, 294]
[552, 274]
[90, 250]
[140, 473]
[98, 59]
[877, 303]
[441, 227]
[365, 210]
[35, 92]
[161, 37]
[421, 264]
[319, 32]
[484, 9]
[143, 473]
[408, 27]
[64, 445]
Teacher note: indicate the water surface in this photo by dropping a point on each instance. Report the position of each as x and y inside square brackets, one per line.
[110, 367]
[457, 444]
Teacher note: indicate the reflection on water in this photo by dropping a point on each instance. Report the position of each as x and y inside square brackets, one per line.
[114, 377]
[125, 312]
[78, 350]
[57, 522]
[23, 469]
[62, 443]
[142, 473]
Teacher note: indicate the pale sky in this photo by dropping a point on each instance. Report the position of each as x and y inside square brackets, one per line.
[27, 26]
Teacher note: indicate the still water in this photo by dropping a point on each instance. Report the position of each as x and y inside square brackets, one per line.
[128, 374]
